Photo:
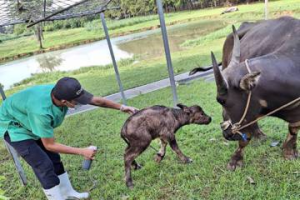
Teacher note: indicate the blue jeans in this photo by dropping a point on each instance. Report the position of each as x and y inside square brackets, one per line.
[46, 165]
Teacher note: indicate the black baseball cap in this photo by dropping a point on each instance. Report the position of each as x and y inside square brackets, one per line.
[69, 89]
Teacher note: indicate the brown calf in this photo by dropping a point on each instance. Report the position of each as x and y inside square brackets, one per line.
[157, 122]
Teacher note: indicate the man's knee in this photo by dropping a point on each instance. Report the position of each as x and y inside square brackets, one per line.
[46, 174]
[58, 168]
[55, 158]
[39, 161]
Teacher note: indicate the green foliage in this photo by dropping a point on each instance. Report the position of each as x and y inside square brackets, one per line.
[93, 26]
[129, 8]
[2, 197]
[65, 24]
[19, 29]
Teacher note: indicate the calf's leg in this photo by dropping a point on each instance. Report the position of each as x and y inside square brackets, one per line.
[131, 153]
[174, 146]
[161, 154]
[136, 165]
[290, 145]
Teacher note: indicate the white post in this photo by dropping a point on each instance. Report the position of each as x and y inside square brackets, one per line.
[266, 9]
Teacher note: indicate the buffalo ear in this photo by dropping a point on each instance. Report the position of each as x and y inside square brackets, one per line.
[249, 81]
[184, 108]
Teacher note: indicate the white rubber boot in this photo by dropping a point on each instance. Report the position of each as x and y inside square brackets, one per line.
[67, 190]
[53, 193]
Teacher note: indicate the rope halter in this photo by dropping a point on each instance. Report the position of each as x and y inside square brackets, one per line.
[236, 127]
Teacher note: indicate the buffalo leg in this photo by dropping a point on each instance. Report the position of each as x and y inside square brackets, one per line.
[290, 145]
[161, 154]
[237, 157]
[182, 157]
[257, 133]
[130, 155]
[134, 164]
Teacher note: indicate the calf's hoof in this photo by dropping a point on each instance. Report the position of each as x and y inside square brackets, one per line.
[290, 154]
[188, 160]
[137, 167]
[233, 164]
[130, 185]
[158, 158]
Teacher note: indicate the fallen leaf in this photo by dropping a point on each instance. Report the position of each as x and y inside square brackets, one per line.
[274, 143]
[125, 197]
[251, 181]
[226, 143]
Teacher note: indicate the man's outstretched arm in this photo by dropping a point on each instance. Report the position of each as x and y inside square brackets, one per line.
[99, 101]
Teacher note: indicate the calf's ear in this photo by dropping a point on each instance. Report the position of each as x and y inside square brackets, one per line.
[249, 81]
[183, 107]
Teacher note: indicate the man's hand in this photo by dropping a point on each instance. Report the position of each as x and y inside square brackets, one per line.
[105, 103]
[88, 153]
[128, 109]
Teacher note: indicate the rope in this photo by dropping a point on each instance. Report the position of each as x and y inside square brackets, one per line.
[270, 113]
[237, 126]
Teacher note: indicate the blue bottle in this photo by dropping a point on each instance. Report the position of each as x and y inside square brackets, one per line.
[86, 164]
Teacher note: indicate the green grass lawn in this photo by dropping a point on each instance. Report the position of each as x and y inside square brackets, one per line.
[205, 178]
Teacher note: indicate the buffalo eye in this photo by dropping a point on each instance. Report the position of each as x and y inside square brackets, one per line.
[222, 101]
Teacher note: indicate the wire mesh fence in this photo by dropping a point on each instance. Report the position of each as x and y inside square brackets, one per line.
[27, 11]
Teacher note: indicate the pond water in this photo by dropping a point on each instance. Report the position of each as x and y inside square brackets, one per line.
[145, 45]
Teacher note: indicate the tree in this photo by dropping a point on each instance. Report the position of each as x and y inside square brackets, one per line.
[30, 11]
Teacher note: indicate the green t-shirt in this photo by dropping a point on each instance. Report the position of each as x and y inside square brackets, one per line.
[30, 114]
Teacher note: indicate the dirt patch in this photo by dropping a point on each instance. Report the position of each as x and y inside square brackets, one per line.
[284, 13]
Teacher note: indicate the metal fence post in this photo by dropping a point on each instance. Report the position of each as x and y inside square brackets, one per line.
[266, 9]
[13, 152]
[167, 50]
[113, 57]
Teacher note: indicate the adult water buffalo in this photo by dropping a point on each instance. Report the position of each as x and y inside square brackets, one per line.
[227, 52]
[262, 76]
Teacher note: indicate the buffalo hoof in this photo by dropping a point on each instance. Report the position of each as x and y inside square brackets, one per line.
[233, 164]
[259, 135]
[290, 154]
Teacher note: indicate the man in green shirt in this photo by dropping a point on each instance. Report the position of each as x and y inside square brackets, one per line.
[27, 121]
